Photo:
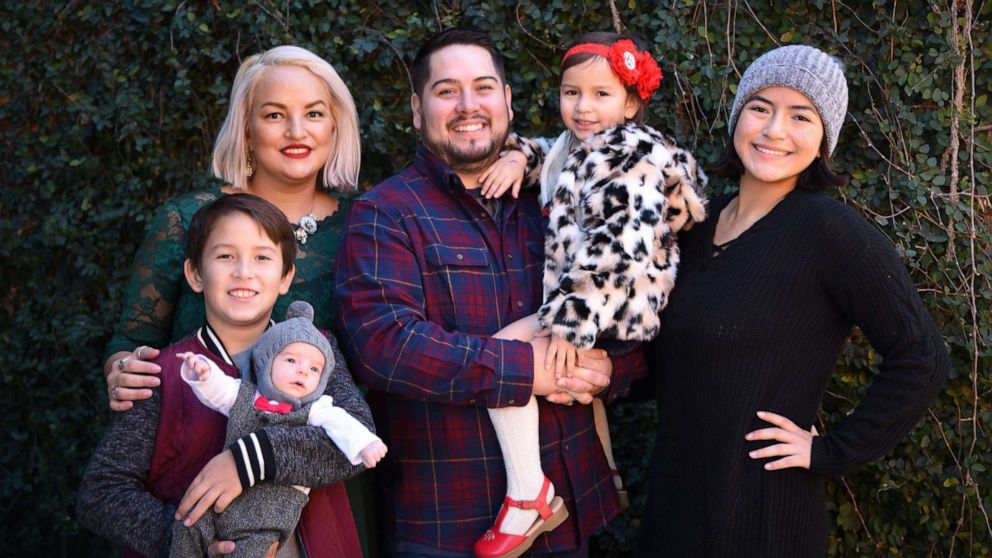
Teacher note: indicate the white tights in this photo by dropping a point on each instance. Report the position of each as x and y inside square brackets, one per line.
[517, 430]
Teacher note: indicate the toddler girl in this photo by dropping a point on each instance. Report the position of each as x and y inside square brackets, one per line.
[616, 191]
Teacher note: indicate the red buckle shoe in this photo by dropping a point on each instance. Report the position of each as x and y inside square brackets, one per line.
[621, 493]
[497, 544]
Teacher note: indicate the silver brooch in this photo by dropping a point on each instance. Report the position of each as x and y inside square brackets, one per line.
[309, 223]
[308, 226]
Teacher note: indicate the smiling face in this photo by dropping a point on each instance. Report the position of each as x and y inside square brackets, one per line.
[240, 274]
[290, 126]
[296, 369]
[778, 135]
[592, 98]
[463, 114]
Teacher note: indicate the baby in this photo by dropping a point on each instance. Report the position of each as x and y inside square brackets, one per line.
[292, 363]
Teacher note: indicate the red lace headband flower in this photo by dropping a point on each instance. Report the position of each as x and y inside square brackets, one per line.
[632, 66]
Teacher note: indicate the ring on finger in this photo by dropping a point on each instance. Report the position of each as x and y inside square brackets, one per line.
[121, 362]
[113, 393]
[138, 351]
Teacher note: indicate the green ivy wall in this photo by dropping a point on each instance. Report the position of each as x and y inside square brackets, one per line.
[108, 108]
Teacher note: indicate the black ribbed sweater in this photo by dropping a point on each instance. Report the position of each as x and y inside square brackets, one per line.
[759, 327]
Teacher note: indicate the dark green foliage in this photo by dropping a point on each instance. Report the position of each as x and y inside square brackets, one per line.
[108, 108]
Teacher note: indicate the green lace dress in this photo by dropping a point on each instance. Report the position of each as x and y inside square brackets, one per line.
[159, 307]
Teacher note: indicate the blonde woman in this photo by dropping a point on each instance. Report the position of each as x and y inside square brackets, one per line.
[290, 137]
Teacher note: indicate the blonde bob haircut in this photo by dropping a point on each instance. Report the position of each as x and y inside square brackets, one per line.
[230, 158]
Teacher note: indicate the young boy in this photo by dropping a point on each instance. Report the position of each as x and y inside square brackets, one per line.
[240, 256]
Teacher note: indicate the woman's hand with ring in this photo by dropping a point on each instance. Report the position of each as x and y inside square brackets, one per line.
[130, 377]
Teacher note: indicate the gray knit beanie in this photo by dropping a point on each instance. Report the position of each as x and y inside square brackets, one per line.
[808, 70]
[298, 327]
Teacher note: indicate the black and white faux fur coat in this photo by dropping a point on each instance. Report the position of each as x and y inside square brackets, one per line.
[610, 256]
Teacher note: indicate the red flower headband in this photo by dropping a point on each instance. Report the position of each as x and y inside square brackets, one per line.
[633, 67]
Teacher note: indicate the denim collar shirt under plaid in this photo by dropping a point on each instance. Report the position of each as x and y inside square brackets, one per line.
[424, 276]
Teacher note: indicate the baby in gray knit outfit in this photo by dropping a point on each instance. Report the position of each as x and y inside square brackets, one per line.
[292, 362]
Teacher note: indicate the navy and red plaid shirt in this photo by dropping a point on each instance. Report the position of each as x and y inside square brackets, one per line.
[425, 275]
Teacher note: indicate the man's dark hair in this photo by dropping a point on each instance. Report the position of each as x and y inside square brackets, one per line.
[421, 71]
[269, 218]
[818, 176]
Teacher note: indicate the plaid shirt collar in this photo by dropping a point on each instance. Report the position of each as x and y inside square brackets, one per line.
[429, 165]
[437, 171]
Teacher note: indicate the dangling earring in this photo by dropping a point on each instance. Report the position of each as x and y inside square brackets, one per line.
[251, 165]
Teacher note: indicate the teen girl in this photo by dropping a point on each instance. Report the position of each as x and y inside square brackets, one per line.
[768, 291]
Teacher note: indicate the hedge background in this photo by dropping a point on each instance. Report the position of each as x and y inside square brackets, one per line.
[108, 108]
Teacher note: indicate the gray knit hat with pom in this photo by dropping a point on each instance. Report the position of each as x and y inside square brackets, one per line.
[808, 70]
[298, 327]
